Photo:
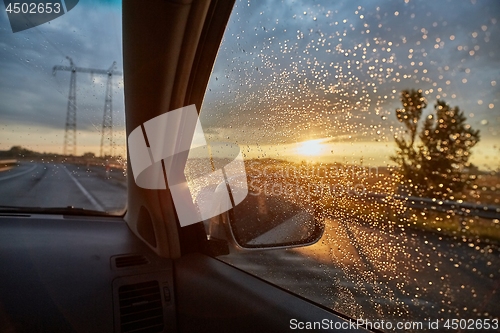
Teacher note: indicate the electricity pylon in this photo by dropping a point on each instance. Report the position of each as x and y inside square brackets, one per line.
[70, 128]
[107, 143]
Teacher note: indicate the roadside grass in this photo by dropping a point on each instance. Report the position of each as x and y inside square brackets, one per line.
[395, 214]
[465, 227]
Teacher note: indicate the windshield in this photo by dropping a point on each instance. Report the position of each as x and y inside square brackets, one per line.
[384, 117]
[62, 137]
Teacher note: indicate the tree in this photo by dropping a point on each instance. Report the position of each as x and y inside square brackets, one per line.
[433, 166]
[88, 155]
[407, 155]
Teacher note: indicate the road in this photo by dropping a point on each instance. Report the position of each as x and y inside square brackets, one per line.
[60, 185]
[390, 274]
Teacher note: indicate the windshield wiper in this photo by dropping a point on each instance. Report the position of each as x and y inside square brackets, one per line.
[69, 210]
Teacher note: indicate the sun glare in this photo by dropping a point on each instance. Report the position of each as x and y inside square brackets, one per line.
[310, 148]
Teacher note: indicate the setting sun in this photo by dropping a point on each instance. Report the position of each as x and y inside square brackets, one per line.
[310, 147]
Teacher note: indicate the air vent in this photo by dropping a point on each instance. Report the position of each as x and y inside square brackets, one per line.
[130, 260]
[141, 308]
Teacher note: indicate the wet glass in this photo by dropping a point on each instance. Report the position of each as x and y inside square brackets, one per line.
[382, 117]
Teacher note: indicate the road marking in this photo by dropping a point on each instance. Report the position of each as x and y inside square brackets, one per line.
[84, 191]
[18, 174]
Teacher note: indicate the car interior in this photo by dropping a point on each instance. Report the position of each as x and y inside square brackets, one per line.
[404, 245]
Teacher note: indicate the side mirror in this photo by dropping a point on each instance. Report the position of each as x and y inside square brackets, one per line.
[251, 220]
[267, 222]
[262, 221]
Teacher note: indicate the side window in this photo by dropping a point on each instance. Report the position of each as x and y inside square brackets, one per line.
[383, 116]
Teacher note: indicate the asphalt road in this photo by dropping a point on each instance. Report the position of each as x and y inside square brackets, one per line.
[62, 185]
[386, 274]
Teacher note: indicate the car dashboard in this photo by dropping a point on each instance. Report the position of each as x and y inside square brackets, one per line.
[92, 274]
[73, 272]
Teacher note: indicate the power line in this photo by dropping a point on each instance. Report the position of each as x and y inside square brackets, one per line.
[107, 122]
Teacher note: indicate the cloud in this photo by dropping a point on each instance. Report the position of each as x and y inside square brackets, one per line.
[30, 94]
[286, 73]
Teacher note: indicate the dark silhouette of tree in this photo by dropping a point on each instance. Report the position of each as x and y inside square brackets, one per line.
[433, 166]
[88, 155]
[407, 154]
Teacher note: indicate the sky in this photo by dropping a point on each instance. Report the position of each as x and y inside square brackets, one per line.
[33, 101]
[287, 72]
[332, 71]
